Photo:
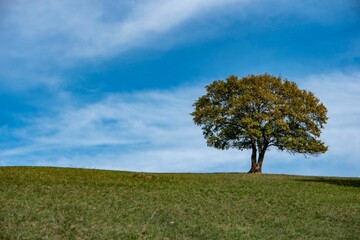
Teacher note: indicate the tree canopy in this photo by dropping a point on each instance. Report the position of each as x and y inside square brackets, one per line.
[258, 112]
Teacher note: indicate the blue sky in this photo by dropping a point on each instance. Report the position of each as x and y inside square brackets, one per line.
[110, 84]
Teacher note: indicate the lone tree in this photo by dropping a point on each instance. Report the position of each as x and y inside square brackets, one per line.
[258, 112]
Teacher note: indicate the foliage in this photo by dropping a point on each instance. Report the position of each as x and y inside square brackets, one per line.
[258, 112]
[57, 203]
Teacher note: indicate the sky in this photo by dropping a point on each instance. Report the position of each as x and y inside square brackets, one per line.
[108, 84]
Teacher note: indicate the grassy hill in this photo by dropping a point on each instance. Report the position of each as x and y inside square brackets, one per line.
[60, 203]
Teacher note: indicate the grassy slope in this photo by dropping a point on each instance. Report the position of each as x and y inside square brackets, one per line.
[56, 203]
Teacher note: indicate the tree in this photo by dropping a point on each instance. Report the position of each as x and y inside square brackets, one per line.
[258, 112]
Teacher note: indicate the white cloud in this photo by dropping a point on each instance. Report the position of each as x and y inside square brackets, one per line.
[41, 38]
[147, 131]
[341, 93]
[82, 29]
[153, 131]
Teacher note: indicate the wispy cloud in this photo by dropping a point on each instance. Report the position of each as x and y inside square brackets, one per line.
[83, 29]
[153, 131]
[42, 38]
[340, 92]
[147, 131]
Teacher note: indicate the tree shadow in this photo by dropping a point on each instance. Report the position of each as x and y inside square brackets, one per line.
[351, 182]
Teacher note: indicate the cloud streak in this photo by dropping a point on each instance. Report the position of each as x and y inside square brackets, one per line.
[42, 38]
[147, 131]
[83, 29]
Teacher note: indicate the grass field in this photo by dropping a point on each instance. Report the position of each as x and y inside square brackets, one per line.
[60, 203]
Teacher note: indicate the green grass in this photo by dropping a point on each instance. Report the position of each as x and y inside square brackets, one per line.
[60, 203]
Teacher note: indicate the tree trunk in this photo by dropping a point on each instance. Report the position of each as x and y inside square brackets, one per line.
[261, 158]
[256, 166]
